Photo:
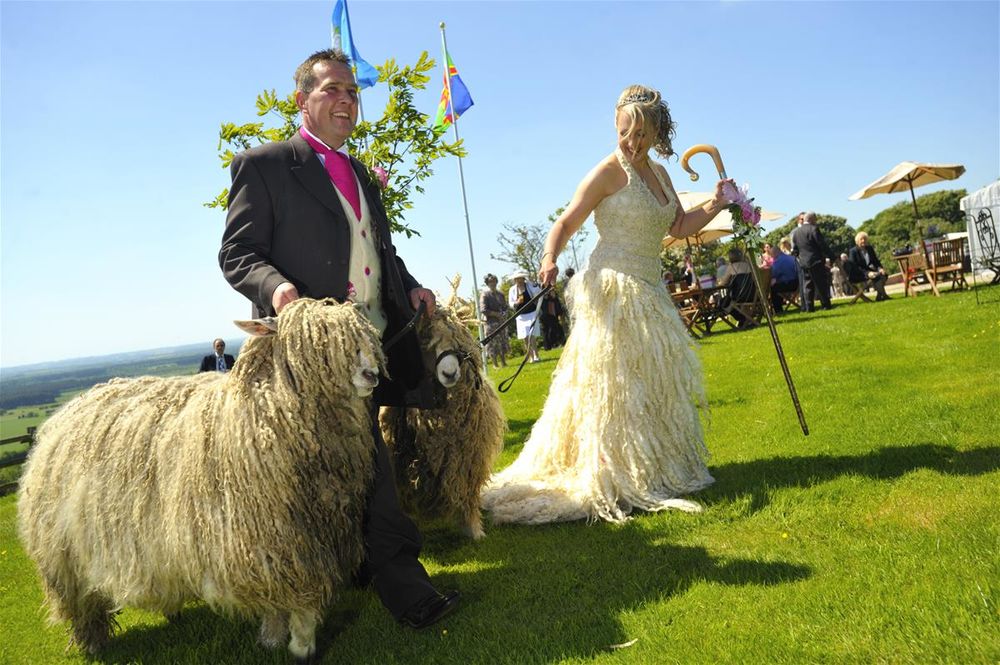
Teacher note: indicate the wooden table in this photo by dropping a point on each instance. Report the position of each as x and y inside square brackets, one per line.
[699, 310]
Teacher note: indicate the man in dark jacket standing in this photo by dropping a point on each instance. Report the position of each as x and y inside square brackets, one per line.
[306, 219]
[220, 361]
[812, 251]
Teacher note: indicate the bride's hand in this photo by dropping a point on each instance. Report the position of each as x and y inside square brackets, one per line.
[548, 272]
[720, 200]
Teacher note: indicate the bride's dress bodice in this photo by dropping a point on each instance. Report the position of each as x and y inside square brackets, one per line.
[631, 224]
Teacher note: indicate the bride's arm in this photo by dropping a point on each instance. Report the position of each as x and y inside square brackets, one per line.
[594, 187]
[689, 222]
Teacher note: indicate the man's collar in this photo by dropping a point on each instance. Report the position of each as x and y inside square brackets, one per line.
[341, 149]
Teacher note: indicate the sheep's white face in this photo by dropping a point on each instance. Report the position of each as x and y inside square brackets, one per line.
[365, 376]
[448, 370]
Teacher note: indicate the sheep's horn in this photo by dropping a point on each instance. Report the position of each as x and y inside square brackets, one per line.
[703, 147]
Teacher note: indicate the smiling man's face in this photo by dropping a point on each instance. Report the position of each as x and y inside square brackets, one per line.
[330, 109]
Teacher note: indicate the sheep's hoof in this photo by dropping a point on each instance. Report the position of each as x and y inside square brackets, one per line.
[307, 660]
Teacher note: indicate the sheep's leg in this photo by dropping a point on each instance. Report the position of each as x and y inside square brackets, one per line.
[274, 629]
[89, 613]
[303, 642]
[473, 526]
[172, 612]
[92, 622]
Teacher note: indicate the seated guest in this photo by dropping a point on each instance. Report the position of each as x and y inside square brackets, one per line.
[786, 248]
[784, 276]
[738, 280]
[720, 269]
[766, 258]
[867, 266]
[220, 361]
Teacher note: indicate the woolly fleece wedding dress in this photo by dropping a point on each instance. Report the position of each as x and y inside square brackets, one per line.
[620, 428]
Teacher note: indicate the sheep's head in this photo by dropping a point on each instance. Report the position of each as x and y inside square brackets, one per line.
[448, 345]
[365, 376]
[332, 341]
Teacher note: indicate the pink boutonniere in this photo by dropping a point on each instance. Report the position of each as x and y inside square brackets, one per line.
[381, 177]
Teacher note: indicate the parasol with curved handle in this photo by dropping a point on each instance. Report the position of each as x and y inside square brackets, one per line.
[706, 148]
[712, 151]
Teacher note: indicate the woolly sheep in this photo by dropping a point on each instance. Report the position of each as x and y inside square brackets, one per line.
[244, 490]
[443, 457]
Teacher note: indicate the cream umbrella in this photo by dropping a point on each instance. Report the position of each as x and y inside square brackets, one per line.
[907, 175]
[719, 227]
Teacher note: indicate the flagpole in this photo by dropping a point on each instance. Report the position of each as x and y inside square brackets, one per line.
[461, 179]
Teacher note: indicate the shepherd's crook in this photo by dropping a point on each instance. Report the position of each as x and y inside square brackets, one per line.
[717, 158]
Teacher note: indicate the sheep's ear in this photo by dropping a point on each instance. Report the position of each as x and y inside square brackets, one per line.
[259, 327]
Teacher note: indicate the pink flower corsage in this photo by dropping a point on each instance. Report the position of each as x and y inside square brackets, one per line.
[746, 216]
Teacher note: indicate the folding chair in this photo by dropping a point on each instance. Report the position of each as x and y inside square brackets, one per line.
[859, 291]
[789, 299]
[745, 299]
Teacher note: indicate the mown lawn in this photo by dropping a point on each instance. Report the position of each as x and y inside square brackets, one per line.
[875, 539]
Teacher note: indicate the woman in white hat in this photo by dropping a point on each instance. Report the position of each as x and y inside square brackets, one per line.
[620, 429]
[529, 330]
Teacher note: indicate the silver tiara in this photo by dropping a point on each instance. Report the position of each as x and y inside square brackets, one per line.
[637, 98]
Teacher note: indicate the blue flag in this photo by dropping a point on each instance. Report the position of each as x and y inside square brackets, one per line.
[366, 75]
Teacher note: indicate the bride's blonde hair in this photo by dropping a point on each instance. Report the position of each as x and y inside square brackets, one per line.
[646, 108]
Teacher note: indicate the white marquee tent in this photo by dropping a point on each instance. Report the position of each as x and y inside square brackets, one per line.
[987, 197]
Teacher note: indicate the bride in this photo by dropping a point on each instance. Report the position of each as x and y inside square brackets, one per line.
[620, 428]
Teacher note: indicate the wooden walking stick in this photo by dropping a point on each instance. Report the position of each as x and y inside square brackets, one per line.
[717, 158]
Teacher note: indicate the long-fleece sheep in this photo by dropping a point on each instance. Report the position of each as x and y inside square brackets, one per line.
[443, 457]
[245, 490]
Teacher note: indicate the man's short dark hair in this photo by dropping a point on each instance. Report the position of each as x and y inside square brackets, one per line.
[305, 78]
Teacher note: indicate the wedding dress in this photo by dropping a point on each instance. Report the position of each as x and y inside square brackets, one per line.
[620, 427]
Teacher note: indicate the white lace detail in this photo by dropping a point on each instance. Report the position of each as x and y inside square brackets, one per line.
[620, 427]
[631, 224]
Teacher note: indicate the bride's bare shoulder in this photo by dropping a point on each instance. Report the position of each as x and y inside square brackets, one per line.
[608, 175]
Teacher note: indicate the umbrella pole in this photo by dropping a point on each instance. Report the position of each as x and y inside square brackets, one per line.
[913, 196]
[916, 213]
[777, 342]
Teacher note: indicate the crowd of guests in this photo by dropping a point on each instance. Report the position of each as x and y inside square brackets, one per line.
[803, 270]
[495, 307]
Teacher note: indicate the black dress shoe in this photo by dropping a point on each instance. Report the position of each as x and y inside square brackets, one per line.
[430, 610]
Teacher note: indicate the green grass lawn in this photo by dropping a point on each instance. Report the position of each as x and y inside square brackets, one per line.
[874, 539]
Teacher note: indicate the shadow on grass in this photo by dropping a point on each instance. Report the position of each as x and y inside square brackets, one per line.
[534, 594]
[200, 635]
[557, 592]
[757, 477]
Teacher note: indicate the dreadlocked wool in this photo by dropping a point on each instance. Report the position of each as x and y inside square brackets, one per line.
[244, 490]
[443, 457]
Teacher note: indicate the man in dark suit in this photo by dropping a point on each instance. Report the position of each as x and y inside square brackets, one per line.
[220, 361]
[809, 245]
[865, 266]
[307, 220]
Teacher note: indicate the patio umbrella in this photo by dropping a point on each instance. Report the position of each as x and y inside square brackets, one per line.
[907, 175]
[719, 227]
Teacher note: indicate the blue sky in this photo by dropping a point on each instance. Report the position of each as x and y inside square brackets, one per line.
[110, 117]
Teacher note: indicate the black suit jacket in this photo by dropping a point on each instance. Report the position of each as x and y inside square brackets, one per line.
[809, 245]
[857, 257]
[286, 224]
[210, 364]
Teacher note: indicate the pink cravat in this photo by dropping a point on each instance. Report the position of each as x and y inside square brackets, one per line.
[338, 166]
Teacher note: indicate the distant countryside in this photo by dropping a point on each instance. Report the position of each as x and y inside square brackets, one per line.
[30, 394]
